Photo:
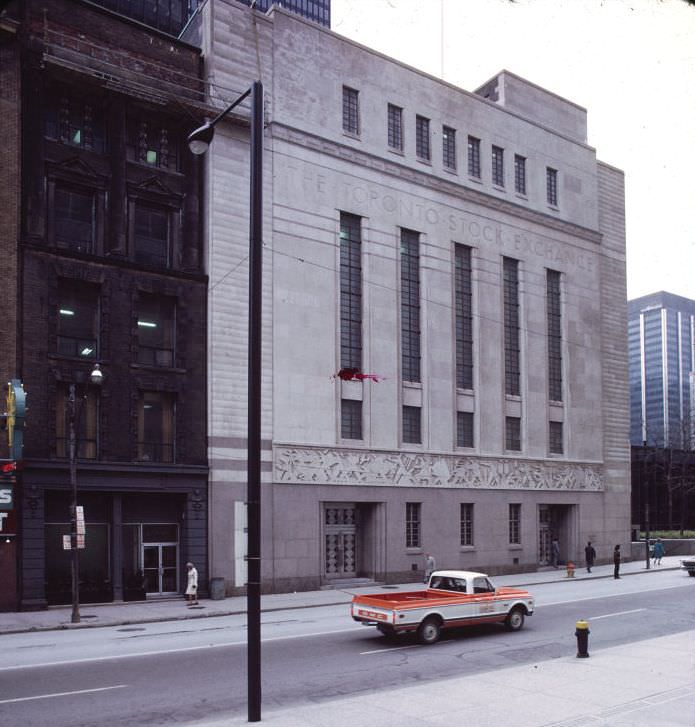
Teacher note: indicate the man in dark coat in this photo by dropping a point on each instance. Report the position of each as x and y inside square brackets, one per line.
[616, 561]
[590, 555]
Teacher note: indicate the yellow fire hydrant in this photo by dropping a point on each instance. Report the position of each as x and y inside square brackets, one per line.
[570, 569]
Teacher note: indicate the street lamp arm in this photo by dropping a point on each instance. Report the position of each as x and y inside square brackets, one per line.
[199, 140]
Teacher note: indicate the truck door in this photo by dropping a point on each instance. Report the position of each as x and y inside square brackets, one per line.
[484, 591]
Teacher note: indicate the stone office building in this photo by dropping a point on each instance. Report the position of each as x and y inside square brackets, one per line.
[444, 331]
[108, 270]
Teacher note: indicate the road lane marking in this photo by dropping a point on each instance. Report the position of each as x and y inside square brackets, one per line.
[62, 694]
[600, 596]
[180, 650]
[396, 648]
[619, 613]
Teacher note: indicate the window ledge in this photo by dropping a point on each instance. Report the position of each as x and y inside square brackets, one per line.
[352, 135]
[515, 546]
[451, 170]
[520, 195]
[424, 160]
[476, 180]
[397, 152]
[467, 549]
[168, 369]
[499, 188]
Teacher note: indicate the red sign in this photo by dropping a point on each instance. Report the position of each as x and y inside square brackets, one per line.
[8, 523]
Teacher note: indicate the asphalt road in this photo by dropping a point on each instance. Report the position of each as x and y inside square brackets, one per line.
[183, 671]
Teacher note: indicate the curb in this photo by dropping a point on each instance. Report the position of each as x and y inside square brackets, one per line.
[285, 607]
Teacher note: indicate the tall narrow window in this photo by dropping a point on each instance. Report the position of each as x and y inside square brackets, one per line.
[551, 176]
[422, 138]
[350, 419]
[512, 434]
[519, 174]
[555, 444]
[350, 291]
[554, 312]
[86, 426]
[412, 425]
[351, 111]
[78, 319]
[449, 147]
[156, 326]
[395, 127]
[466, 523]
[463, 291]
[498, 166]
[410, 305]
[512, 352]
[151, 235]
[156, 427]
[464, 429]
[474, 157]
[412, 525]
[515, 524]
[74, 218]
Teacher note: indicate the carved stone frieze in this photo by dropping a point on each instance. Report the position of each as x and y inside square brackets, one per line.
[322, 466]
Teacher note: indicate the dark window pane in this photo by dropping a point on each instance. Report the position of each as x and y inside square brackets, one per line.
[422, 137]
[474, 157]
[464, 429]
[449, 147]
[151, 230]
[412, 525]
[513, 434]
[156, 427]
[351, 119]
[498, 166]
[463, 286]
[554, 313]
[410, 305]
[556, 439]
[395, 127]
[78, 314]
[351, 419]
[515, 524]
[85, 422]
[520, 174]
[512, 351]
[551, 175]
[73, 218]
[466, 523]
[412, 425]
[156, 321]
[350, 291]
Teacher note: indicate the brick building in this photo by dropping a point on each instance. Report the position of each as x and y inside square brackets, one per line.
[105, 260]
[444, 330]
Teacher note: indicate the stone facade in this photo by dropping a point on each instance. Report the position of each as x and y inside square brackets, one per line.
[335, 507]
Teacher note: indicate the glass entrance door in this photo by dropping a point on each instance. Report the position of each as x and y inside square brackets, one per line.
[160, 568]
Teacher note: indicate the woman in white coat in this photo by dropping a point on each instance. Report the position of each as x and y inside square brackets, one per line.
[192, 585]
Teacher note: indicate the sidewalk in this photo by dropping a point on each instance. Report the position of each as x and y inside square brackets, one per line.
[116, 614]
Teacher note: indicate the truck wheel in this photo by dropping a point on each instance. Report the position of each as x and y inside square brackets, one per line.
[429, 631]
[691, 572]
[515, 619]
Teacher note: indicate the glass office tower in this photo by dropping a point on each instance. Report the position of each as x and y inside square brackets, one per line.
[661, 340]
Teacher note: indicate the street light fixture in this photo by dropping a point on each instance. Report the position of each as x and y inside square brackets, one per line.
[74, 417]
[198, 142]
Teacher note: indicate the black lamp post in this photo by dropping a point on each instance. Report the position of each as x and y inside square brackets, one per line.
[74, 416]
[645, 489]
[198, 143]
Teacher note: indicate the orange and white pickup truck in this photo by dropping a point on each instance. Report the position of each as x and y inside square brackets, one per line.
[452, 598]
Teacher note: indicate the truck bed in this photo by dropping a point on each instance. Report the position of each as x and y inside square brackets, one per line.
[429, 597]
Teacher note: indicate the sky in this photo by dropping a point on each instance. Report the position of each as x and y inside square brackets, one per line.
[630, 63]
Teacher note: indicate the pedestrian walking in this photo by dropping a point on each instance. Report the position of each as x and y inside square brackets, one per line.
[555, 553]
[192, 585]
[430, 566]
[590, 556]
[659, 551]
[616, 561]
